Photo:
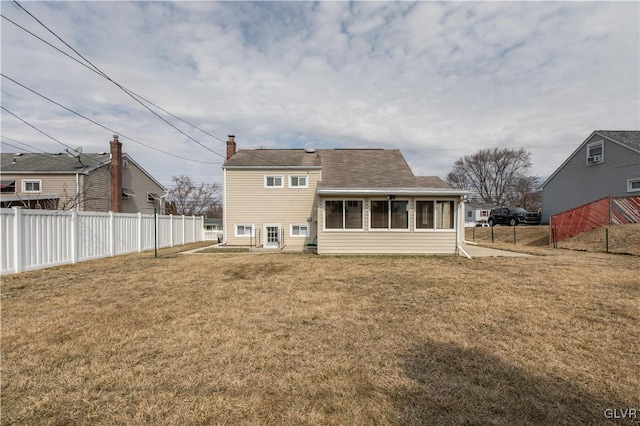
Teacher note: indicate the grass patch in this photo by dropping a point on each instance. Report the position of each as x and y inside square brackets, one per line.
[298, 339]
[623, 239]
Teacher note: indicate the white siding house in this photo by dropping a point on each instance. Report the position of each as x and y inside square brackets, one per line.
[342, 201]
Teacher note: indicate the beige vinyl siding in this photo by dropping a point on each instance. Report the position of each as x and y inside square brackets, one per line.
[248, 202]
[62, 186]
[374, 241]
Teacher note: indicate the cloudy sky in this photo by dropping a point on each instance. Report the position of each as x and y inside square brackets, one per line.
[436, 80]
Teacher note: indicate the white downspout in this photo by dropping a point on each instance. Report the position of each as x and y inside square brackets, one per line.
[224, 207]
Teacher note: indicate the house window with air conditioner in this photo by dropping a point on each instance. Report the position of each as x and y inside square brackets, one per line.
[595, 153]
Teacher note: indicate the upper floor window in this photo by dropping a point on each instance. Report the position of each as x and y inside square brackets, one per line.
[298, 182]
[8, 186]
[633, 185]
[273, 181]
[343, 214]
[31, 186]
[595, 153]
[389, 214]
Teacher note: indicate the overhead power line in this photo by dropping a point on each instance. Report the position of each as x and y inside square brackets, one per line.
[129, 92]
[98, 124]
[125, 90]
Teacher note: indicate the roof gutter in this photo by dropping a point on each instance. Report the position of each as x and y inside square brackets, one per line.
[394, 191]
[272, 167]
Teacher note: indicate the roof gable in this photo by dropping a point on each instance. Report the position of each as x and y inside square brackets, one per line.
[629, 139]
[365, 169]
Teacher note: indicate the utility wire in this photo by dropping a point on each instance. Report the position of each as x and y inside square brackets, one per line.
[125, 90]
[98, 124]
[97, 72]
[34, 127]
[44, 153]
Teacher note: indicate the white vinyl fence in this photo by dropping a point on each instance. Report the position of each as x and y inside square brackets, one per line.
[34, 239]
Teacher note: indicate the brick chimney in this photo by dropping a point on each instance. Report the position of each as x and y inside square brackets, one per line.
[116, 175]
[231, 146]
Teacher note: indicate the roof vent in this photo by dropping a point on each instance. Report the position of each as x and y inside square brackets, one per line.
[309, 150]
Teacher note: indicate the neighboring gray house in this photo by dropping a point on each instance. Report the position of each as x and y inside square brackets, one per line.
[106, 181]
[606, 163]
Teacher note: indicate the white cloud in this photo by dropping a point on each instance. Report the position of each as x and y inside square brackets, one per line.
[438, 80]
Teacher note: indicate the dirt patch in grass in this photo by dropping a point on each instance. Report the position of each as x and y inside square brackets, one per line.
[299, 339]
[224, 250]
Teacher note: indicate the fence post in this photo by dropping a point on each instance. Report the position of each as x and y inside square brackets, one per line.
[184, 229]
[492, 240]
[606, 236]
[140, 233]
[514, 235]
[74, 236]
[112, 234]
[170, 230]
[18, 260]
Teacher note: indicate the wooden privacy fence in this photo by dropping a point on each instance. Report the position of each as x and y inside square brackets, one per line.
[603, 212]
[35, 239]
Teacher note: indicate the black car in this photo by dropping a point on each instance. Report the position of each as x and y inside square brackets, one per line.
[512, 216]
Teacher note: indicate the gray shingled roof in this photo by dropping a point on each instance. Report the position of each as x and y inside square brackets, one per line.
[432, 182]
[365, 168]
[274, 158]
[51, 163]
[343, 168]
[630, 138]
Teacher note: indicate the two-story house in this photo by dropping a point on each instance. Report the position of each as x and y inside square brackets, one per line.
[343, 200]
[606, 164]
[106, 181]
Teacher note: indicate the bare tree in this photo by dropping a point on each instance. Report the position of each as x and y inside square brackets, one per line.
[490, 172]
[525, 192]
[189, 199]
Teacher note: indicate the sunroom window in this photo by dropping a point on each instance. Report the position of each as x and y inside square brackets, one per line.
[343, 214]
[389, 214]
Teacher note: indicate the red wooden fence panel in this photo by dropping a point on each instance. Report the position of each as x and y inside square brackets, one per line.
[603, 212]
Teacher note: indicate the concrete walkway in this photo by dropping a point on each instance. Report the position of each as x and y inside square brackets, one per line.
[477, 251]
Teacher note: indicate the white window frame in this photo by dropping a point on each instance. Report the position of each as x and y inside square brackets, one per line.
[630, 183]
[26, 181]
[297, 177]
[244, 235]
[266, 178]
[292, 226]
[389, 228]
[435, 216]
[592, 159]
[343, 229]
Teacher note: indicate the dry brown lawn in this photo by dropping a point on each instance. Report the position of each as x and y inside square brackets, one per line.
[623, 239]
[245, 338]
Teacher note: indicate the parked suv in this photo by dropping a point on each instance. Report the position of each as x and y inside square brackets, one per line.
[512, 216]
